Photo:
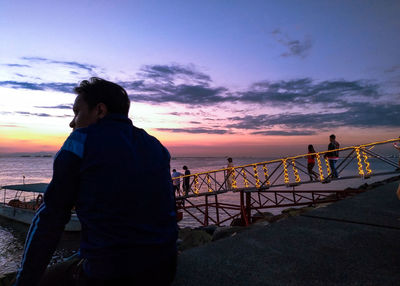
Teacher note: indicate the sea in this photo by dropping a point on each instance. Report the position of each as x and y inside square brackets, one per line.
[38, 168]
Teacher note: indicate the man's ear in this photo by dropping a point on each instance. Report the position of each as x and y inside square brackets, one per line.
[102, 110]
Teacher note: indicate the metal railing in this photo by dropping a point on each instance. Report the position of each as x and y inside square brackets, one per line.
[288, 171]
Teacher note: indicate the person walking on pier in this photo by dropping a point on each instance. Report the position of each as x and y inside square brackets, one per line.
[118, 179]
[186, 181]
[333, 156]
[176, 182]
[229, 173]
[311, 163]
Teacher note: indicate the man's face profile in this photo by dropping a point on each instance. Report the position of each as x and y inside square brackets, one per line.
[83, 116]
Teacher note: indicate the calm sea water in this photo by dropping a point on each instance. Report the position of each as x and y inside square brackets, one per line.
[39, 169]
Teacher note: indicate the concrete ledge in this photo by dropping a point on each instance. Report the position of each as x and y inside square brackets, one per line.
[353, 242]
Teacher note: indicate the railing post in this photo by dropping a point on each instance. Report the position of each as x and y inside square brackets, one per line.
[206, 212]
[217, 208]
[243, 209]
[248, 207]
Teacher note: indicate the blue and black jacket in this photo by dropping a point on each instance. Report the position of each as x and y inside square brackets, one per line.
[118, 178]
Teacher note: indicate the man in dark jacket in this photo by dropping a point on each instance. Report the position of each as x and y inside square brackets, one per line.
[333, 156]
[118, 178]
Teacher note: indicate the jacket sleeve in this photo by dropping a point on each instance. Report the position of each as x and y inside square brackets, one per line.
[52, 216]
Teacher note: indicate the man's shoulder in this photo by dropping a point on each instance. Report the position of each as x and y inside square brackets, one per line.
[75, 142]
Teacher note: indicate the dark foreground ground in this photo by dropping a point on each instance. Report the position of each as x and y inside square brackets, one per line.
[355, 241]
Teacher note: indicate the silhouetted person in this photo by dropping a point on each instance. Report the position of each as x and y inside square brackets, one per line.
[311, 162]
[333, 156]
[118, 178]
[176, 182]
[229, 173]
[186, 181]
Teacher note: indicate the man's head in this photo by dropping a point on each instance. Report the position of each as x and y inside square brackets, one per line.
[229, 160]
[174, 170]
[332, 138]
[184, 168]
[96, 98]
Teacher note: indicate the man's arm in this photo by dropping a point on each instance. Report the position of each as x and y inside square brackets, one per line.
[50, 219]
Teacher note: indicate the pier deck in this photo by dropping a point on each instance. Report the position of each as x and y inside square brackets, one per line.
[355, 241]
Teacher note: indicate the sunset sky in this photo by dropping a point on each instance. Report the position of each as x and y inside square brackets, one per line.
[207, 78]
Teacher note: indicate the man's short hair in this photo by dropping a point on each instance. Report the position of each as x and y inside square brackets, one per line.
[174, 170]
[97, 90]
[332, 136]
[229, 159]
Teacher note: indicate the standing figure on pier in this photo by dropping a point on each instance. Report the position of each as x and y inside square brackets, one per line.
[186, 181]
[311, 163]
[176, 182]
[333, 156]
[229, 174]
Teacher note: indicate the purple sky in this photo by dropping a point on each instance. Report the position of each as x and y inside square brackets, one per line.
[203, 74]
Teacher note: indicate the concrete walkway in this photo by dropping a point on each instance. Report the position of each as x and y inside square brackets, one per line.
[352, 242]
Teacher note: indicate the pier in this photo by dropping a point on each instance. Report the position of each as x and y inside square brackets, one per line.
[275, 184]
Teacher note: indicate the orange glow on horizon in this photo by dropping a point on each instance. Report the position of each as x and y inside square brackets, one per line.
[23, 139]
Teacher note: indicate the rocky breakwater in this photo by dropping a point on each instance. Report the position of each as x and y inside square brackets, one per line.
[193, 237]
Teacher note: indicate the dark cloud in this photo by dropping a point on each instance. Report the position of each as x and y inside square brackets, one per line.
[305, 91]
[87, 67]
[54, 86]
[295, 47]
[194, 130]
[195, 122]
[60, 106]
[363, 115]
[286, 133]
[182, 93]
[175, 83]
[160, 85]
[172, 72]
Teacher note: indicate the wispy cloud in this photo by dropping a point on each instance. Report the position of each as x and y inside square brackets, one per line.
[285, 133]
[168, 73]
[40, 114]
[297, 48]
[17, 65]
[60, 106]
[54, 86]
[10, 126]
[195, 130]
[87, 67]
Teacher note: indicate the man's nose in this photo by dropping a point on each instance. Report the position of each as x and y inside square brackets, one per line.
[72, 123]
